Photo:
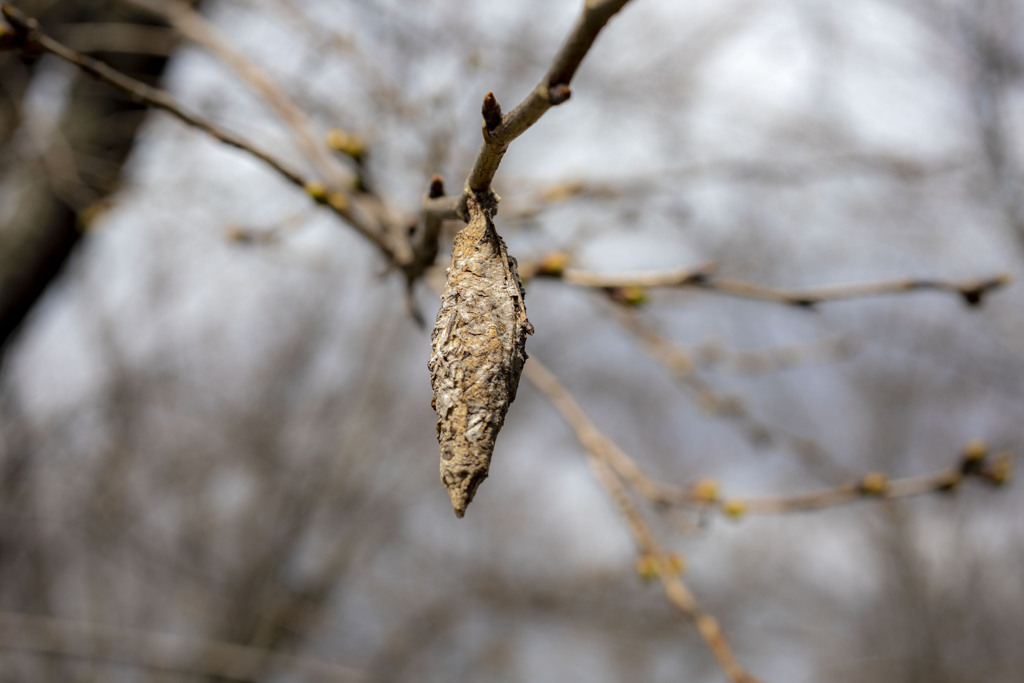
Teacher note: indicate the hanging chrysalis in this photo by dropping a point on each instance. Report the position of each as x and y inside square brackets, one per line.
[479, 343]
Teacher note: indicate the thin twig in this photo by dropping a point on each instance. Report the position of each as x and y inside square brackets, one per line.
[111, 36]
[872, 486]
[31, 37]
[679, 277]
[163, 652]
[972, 291]
[553, 89]
[703, 277]
[587, 433]
[436, 209]
[877, 486]
[974, 462]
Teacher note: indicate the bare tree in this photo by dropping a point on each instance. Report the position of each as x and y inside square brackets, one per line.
[215, 439]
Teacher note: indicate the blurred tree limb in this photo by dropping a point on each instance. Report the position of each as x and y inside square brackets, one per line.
[26, 35]
[703, 276]
[161, 652]
[55, 190]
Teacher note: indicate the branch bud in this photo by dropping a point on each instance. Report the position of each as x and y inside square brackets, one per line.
[316, 190]
[559, 93]
[349, 144]
[874, 484]
[705, 490]
[630, 295]
[436, 187]
[553, 264]
[999, 471]
[646, 567]
[734, 508]
[974, 455]
[491, 111]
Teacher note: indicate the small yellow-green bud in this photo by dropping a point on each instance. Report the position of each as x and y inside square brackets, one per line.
[705, 490]
[974, 456]
[631, 295]
[553, 264]
[349, 144]
[646, 567]
[975, 450]
[316, 190]
[874, 484]
[734, 508]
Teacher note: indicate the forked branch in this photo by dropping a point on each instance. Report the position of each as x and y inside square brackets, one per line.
[609, 463]
[193, 26]
[616, 470]
[499, 130]
[975, 462]
[26, 35]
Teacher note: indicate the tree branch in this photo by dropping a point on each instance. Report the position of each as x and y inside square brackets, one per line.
[197, 29]
[28, 37]
[703, 276]
[972, 292]
[436, 209]
[553, 89]
[974, 462]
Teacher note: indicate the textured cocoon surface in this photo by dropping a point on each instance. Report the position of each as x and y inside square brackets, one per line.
[479, 347]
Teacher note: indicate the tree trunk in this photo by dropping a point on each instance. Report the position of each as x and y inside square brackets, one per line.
[51, 183]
